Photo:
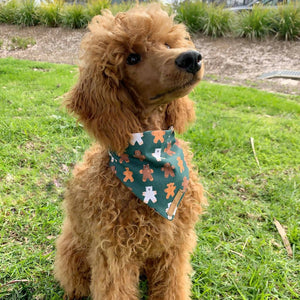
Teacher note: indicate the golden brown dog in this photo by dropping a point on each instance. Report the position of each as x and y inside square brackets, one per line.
[136, 71]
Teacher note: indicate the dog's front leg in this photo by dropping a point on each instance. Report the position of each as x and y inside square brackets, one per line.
[168, 276]
[71, 265]
[114, 278]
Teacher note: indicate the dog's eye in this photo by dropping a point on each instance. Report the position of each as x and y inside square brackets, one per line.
[133, 59]
[167, 45]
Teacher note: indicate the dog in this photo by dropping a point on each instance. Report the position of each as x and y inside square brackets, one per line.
[132, 204]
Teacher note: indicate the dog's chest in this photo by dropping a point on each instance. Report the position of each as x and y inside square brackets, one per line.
[138, 226]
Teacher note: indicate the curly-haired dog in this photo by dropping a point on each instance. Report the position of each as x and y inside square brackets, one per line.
[136, 70]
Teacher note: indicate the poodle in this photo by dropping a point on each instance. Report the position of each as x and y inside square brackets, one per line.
[132, 204]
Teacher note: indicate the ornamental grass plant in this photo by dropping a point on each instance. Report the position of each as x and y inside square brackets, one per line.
[50, 13]
[192, 14]
[27, 13]
[255, 24]
[94, 7]
[74, 16]
[8, 12]
[210, 19]
[287, 22]
[217, 21]
[282, 22]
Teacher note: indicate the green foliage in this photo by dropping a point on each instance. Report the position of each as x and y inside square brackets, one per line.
[27, 14]
[239, 253]
[94, 7]
[21, 42]
[9, 12]
[50, 13]
[74, 16]
[209, 19]
[217, 22]
[192, 14]
[287, 22]
[255, 24]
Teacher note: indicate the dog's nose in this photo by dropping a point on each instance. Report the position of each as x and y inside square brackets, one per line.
[189, 61]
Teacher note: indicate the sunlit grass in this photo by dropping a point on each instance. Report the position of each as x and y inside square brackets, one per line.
[239, 254]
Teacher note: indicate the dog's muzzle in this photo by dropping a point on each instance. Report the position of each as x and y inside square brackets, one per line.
[189, 61]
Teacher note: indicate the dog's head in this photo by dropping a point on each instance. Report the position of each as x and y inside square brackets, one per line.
[133, 66]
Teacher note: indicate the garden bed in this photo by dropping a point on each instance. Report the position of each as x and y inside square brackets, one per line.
[228, 60]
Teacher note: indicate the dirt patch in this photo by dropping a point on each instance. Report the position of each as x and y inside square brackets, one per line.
[240, 61]
[227, 60]
[57, 45]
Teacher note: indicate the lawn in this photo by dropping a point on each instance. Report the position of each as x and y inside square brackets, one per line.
[240, 253]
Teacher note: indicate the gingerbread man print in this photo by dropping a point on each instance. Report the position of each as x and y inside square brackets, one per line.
[137, 138]
[158, 136]
[168, 150]
[128, 175]
[124, 157]
[138, 154]
[149, 194]
[170, 190]
[168, 169]
[146, 173]
[157, 154]
[180, 164]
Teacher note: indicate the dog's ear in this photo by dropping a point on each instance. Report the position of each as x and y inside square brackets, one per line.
[103, 107]
[102, 104]
[180, 113]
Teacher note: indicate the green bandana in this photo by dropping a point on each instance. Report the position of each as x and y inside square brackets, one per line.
[154, 169]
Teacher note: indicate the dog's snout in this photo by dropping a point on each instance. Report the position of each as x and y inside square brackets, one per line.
[189, 61]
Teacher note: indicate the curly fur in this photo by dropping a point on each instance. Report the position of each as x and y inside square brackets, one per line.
[110, 237]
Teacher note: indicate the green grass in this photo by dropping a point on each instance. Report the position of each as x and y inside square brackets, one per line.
[239, 254]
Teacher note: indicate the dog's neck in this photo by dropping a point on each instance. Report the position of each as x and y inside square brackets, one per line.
[155, 119]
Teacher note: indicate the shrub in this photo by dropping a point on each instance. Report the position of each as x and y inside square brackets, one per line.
[254, 24]
[94, 7]
[27, 13]
[192, 14]
[287, 22]
[21, 43]
[9, 12]
[74, 16]
[217, 21]
[50, 13]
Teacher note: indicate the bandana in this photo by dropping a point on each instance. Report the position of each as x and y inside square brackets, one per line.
[154, 169]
